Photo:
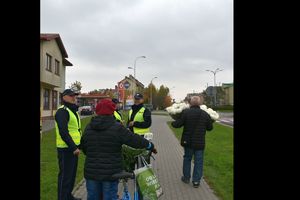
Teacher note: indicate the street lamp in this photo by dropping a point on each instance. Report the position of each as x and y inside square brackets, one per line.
[134, 67]
[170, 92]
[151, 91]
[215, 89]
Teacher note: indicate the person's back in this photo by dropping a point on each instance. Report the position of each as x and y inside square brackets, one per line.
[196, 123]
[102, 142]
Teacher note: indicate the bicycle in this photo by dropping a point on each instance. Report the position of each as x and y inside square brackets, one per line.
[125, 175]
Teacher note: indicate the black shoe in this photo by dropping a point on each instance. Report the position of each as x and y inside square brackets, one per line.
[196, 184]
[185, 180]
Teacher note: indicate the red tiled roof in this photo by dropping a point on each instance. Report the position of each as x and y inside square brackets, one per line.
[51, 36]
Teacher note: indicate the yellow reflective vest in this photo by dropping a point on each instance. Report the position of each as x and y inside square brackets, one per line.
[74, 128]
[139, 118]
[117, 116]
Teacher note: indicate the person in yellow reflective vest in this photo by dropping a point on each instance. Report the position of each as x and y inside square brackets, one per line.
[117, 114]
[139, 118]
[68, 135]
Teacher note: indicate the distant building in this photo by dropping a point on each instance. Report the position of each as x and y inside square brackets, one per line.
[90, 99]
[228, 88]
[210, 91]
[53, 64]
[126, 88]
[210, 95]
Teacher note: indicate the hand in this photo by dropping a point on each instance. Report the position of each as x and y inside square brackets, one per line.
[154, 151]
[76, 152]
[152, 148]
[131, 123]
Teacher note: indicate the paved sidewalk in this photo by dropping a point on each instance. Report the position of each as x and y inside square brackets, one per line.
[168, 167]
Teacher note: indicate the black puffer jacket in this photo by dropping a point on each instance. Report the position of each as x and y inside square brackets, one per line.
[195, 123]
[101, 143]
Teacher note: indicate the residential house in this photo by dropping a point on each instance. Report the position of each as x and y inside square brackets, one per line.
[130, 84]
[53, 65]
[126, 88]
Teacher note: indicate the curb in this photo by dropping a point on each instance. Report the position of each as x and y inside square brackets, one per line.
[231, 126]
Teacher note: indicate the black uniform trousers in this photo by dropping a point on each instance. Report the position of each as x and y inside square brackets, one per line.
[67, 162]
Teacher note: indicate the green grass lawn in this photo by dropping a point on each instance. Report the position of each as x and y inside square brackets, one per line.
[218, 159]
[229, 111]
[49, 164]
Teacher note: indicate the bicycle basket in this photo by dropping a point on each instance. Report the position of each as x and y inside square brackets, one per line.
[129, 155]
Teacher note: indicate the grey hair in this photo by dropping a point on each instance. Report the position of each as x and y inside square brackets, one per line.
[195, 101]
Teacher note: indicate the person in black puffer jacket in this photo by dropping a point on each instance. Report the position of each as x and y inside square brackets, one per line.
[195, 123]
[101, 142]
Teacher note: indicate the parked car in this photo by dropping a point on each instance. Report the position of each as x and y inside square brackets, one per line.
[86, 110]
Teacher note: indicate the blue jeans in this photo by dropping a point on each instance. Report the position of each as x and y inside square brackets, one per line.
[198, 164]
[95, 189]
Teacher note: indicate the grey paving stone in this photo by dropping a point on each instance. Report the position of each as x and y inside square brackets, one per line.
[168, 167]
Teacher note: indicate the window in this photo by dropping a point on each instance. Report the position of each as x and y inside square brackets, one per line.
[49, 62]
[54, 100]
[56, 69]
[46, 99]
[60, 98]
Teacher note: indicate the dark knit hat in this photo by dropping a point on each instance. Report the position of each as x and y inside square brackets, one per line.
[105, 107]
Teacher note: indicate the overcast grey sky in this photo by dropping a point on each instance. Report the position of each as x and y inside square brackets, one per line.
[180, 39]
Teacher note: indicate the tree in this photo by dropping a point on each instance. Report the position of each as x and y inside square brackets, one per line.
[167, 102]
[161, 94]
[147, 93]
[95, 91]
[76, 86]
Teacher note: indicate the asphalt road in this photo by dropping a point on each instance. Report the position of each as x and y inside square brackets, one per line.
[226, 118]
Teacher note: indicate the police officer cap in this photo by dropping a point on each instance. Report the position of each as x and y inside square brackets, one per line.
[138, 96]
[69, 92]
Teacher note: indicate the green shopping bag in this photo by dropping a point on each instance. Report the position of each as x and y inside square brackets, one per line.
[148, 182]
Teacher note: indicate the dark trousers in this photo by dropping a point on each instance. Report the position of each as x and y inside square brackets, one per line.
[67, 162]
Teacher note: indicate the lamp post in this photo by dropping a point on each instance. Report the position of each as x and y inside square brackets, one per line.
[170, 92]
[215, 89]
[134, 67]
[151, 91]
